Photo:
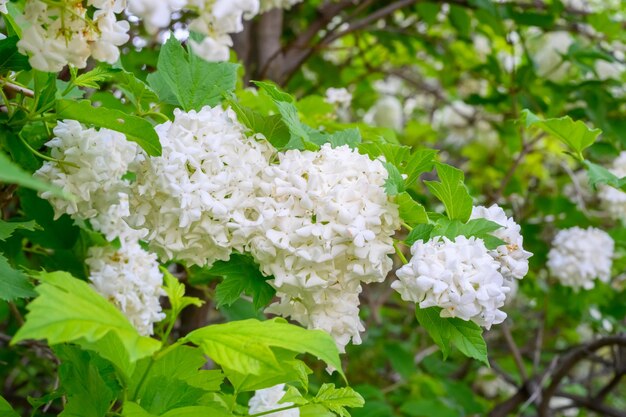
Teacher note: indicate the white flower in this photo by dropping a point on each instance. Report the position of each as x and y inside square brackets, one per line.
[578, 256]
[201, 188]
[457, 275]
[130, 279]
[267, 400]
[334, 310]
[323, 222]
[65, 34]
[212, 49]
[387, 112]
[613, 200]
[339, 96]
[155, 14]
[93, 164]
[512, 257]
[277, 4]
[3, 6]
[609, 70]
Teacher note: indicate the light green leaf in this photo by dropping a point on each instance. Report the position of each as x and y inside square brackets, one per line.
[111, 348]
[419, 232]
[136, 90]
[419, 162]
[451, 191]
[394, 184]
[13, 283]
[350, 137]
[93, 78]
[193, 81]
[135, 128]
[272, 127]
[247, 346]
[575, 134]
[274, 92]
[480, 228]
[175, 291]
[411, 211]
[337, 399]
[292, 395]
[446, 332]
[132, 409]
[599, 175]
[8, 228]
[68, 310]
[6, 410]
[11, 173]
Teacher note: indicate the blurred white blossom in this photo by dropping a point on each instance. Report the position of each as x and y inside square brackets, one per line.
[267, 400]
[578, 256]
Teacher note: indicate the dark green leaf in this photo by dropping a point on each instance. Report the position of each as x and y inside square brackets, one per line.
[13, 283]
[419, 232]
[8, 228]
[10, 58]
[135, 128]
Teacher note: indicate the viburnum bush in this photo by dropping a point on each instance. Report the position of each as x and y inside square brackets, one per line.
[312, 208]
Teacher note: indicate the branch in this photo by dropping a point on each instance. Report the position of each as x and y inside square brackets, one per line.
[593, 405]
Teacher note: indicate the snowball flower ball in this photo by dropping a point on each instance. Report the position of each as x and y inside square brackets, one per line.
[191, 196]
[129, 277]
[267, 400]
[459, 276]
[512, 257]
[578, 256]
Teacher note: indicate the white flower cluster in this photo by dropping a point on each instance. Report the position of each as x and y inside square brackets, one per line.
[326, 226]
[267, 400]
[91, 166]
[156, 14]
[64, 33]
[131, 280]
[196, 196]
[3, 6]
[339, 96]
[459, 275]
[386, 112]
[547, 51]
[319, 222]
[492, 385]
[463, 124]
[578, 256]
[512, 257]
[613, 200]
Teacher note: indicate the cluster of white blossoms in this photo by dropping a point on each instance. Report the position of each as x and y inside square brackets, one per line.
[196, 197]
[459, 276]
[319, 222]
[61, 33]
[613, 200]
[129, 277]
[268, 399]
[90, 165]
[462, 124]
[326, 226]
[463, 277]
[547, 51]
[277, 4]
[578, 256]
[512, 257]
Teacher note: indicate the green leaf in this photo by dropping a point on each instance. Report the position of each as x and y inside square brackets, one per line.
[292, 395]
[135, 128]
[419, 232]
[419, 162]
[273, 91]
[13, 283]
[11, 173]
[111, 348]
[394, 184]
[68, 310]
[350, 137]
[480, 228]
[241, 275]
[461, 20]
[8, 228]
[337, 399]
[193, 81]
[135, 90]
[175, 291]
[451, 191]
[89, 382]
[411, 211]
[575, 134]
[10, 58]
[93, 78]
[599, 175]
[247, 346]
[466, 336]
[132, 409]
[6, 410]
[290, 117]
[272, 127]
